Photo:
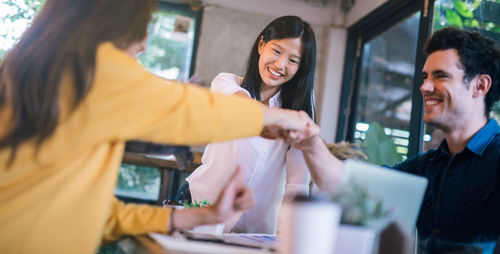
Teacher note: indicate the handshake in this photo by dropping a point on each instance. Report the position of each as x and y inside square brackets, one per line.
[294, 127]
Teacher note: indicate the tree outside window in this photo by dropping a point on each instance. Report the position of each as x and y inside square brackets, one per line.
[15, 17]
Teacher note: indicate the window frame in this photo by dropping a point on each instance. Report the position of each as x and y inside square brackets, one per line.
[384, 17]
[185, 9]
[169, 180]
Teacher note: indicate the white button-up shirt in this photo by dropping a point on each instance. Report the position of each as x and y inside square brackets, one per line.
[272, 169]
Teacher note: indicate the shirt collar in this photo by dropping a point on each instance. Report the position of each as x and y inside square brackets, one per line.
[480, 141]
[483, 138]
[275, 101]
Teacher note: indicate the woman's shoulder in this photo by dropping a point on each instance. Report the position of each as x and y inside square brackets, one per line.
[227, 83]
[228, 77]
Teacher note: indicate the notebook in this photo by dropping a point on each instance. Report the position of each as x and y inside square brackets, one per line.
[400, 192]
[260, 241]
[265, 241]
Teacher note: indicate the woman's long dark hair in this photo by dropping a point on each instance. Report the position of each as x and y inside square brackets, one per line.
[297, 93]
[64, 37]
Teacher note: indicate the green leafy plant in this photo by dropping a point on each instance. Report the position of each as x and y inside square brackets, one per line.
[477, 15]
[379, 147]
[195, 204]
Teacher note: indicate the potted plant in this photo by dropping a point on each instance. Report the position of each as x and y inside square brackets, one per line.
[363, 214]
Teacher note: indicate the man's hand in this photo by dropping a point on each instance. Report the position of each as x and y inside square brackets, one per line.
[304, 139]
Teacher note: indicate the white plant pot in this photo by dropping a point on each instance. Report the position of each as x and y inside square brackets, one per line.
[355, 239]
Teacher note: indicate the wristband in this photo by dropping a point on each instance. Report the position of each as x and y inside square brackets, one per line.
[171, 221]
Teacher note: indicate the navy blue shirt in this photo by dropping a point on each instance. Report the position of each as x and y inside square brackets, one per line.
[462, 201]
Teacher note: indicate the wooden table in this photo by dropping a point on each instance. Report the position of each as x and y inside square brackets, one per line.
[146, 245]
[164, 162]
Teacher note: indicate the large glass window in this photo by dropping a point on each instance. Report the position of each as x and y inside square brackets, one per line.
[383, 110]
[378, 93]
[172, 37]
[171, 42]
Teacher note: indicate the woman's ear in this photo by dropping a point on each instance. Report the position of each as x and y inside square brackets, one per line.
[482, 85]
[260, 48]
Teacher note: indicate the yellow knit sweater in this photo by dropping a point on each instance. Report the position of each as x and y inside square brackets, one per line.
[60, 200]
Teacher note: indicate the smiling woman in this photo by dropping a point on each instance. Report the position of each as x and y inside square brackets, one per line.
[279, 61]
[280, 73]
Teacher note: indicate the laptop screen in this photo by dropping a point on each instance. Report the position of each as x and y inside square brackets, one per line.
[401, 193]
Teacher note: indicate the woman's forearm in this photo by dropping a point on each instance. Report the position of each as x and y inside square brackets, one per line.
[326, 170]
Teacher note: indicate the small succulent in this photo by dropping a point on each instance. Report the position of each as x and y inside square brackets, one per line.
[358, 205]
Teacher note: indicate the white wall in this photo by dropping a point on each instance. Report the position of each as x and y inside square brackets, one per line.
[362, 8]
[229, 28]
[225, 40]
[328, 101]
[316, 14]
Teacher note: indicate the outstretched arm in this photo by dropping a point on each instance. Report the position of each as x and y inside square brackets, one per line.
[325, 168]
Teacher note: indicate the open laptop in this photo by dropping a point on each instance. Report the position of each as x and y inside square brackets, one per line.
[401, 193]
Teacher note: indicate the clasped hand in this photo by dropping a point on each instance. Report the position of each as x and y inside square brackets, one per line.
[294, 127]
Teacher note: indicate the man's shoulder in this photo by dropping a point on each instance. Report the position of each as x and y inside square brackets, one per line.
[494, 145]
[417, 162]
[424, 156]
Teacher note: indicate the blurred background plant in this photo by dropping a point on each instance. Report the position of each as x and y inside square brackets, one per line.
[359, 206]
[345, 150]
[379, 147]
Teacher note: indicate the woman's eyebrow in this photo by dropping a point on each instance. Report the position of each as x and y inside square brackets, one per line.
[281, 48]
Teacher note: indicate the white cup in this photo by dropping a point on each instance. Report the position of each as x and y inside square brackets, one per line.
[311, 226]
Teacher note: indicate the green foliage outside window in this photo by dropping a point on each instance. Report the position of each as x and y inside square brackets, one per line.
[138, 182]
[159, 47]
[496, 112]
[169, 49]
[479, 15]
[15, 17]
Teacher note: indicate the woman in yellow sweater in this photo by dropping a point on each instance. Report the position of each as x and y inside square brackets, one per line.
[69, 99]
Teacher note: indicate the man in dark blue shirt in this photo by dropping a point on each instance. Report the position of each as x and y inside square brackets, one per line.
[460, 85]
